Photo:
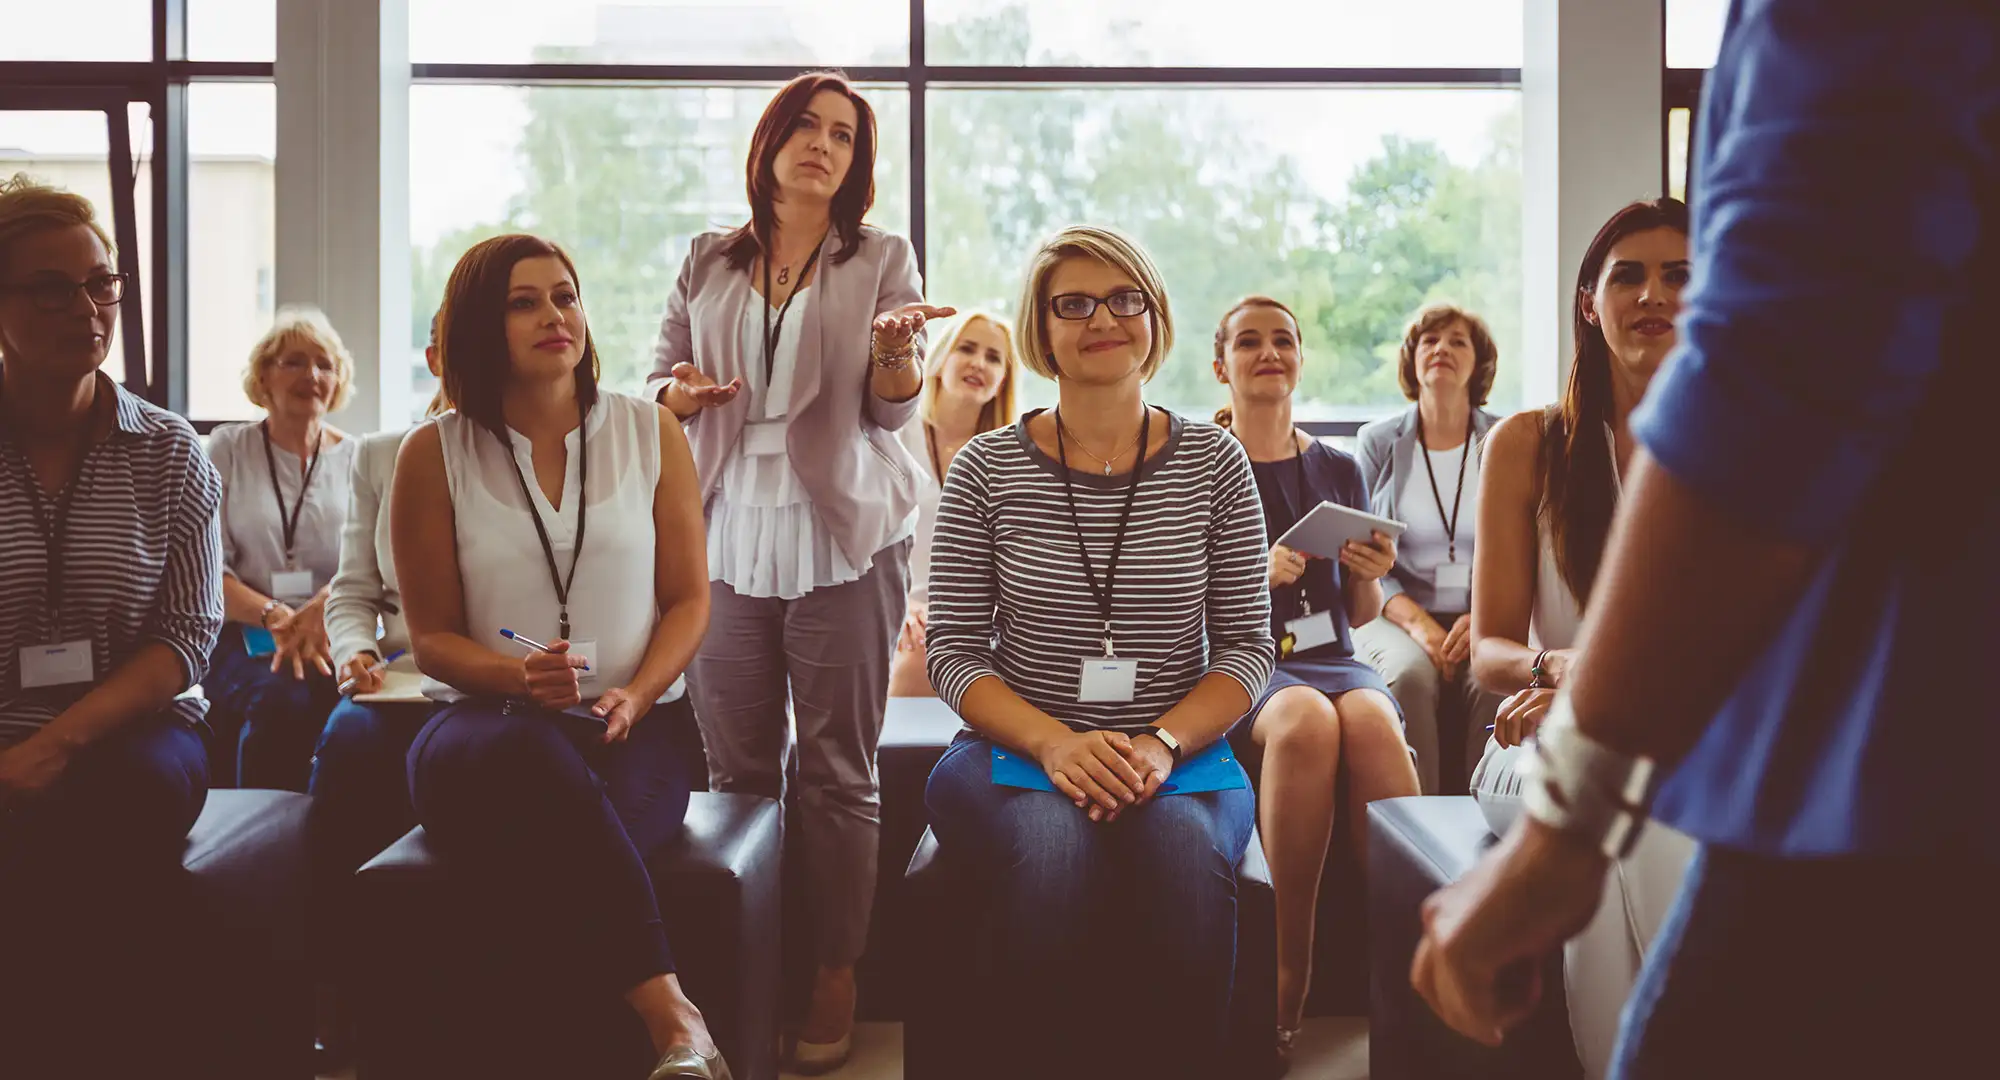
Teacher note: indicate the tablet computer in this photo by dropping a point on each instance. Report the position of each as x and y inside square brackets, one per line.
[1329, 525]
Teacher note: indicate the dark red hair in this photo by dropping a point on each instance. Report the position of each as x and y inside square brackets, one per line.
[472, 343]
[857, 191]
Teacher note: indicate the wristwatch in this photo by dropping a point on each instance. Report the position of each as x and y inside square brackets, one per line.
[1580, 786]
[264, 617]
[1167, 740]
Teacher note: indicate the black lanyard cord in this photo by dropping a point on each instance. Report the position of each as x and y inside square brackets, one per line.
[288, 520]
[1465, 458]
[560, 583]
[771, 334]
[1103, 596]
[55, 528]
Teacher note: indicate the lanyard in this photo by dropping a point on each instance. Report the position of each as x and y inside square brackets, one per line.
[930, 440]
[1103, 596]
[55, 527]
[289, 520]
[1465, 458]
[560, 583]
[772, 334]
[1299, 474]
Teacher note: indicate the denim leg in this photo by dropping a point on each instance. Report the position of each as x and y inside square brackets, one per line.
[276, 718]
[1177, 856]
[360, 804]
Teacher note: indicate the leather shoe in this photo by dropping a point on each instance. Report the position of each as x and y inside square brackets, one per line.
[682, 1063]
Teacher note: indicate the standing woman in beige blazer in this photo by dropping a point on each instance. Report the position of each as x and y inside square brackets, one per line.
[792, 350]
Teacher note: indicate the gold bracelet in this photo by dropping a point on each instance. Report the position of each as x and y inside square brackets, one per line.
[896, 359]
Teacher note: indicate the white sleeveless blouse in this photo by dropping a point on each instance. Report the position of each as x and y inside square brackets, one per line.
[500, 558]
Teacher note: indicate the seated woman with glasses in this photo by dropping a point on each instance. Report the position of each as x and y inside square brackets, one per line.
[109, 606]
[1098, 609]
[284, 503]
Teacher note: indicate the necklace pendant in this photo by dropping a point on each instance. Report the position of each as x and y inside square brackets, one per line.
[785, 275]
[1107, 468]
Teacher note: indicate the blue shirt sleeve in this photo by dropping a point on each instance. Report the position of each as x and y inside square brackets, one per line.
[1843, 148]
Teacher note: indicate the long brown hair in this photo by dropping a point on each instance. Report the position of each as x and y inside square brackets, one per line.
[472, 348]
[1579, 486]
[857, 191]
[1226, 416]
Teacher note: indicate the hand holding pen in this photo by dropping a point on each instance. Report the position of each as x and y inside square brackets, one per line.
[364, 673]
[549, 672]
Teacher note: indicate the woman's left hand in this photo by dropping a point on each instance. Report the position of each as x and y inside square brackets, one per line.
[1371, 561]
[619, 710]
[1520, 716]
[1153, 762]
[301, 639]
[895, 329]
[29, 768]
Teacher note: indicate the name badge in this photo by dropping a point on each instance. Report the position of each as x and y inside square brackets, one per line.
[1107, 678]
[1311, 631]
[764, 438]
[292, 586]
[60, 664]
[586, 678]
[1454, 587]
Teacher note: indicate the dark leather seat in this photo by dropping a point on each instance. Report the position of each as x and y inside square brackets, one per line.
[1416, 846]
[940, 1038]
[442, 996]
[915, 732]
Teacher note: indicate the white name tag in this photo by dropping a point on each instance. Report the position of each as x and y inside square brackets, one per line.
[764, 438]
[586, 678]
[1107, 678]
[61, 664]
[1312, 631]
[1454, 587]
[292, 586]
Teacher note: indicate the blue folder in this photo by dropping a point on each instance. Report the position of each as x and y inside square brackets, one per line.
[1214, 769]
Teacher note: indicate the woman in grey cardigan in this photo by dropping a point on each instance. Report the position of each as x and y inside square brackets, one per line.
[1423, 641]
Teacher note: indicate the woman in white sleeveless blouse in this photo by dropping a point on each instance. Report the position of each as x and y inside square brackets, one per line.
[541, 510]
[1551, 481]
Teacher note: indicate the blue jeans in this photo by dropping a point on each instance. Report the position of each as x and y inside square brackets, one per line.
[552, 829]
[1832, 967]
[361, 797]
[1166, 871]
[266, 722]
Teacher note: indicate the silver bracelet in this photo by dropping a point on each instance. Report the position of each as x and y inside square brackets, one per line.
[896, 359]
[1582, 787]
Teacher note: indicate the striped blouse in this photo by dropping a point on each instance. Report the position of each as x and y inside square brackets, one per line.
[1009, 596]
[142, 559]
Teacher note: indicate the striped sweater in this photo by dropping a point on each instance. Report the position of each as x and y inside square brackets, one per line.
[142, 559]
[1009, 596]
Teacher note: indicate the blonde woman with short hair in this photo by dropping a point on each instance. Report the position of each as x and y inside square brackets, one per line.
[285, 487]
[1098, 608]
[968, 391]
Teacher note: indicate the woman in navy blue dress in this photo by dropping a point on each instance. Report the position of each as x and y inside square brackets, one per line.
[1324, 711]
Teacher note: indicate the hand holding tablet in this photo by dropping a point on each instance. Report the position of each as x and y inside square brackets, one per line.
[1329, 526]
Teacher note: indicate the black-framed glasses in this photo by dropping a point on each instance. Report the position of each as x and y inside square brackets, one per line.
[55, 293]
[1076, 306]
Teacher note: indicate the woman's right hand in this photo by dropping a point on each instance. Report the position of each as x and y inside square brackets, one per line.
[551, 677]
[1521, 715]
[1091, 768]
[1286, 566]
[361, 669]
[914, 625]
[691, 391]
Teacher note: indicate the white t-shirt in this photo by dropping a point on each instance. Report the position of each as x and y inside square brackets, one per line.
[253, 533]
[1426, 546]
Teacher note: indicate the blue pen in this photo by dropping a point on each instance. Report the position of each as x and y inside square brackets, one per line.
[374, 668]
[530, 643]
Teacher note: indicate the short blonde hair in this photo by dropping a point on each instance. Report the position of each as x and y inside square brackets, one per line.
[1000, 411]
[1113, 249]
[294, 325]
[29, 206]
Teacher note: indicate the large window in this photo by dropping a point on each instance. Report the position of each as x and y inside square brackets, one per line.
[1694, 37]
[1355, 159]
[231, 250]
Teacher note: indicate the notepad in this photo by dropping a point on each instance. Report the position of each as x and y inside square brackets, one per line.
[398, 688]
[1213, 769]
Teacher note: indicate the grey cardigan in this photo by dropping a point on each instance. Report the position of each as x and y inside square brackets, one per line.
[1386, 449]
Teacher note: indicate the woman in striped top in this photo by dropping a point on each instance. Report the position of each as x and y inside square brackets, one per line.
[109, 605]
[1097, 606]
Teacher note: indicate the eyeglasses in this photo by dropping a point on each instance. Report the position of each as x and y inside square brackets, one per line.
[301, 362]
[1076, 307]
[55, 293]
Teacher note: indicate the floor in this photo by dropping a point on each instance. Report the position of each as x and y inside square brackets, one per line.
[1330, 1048]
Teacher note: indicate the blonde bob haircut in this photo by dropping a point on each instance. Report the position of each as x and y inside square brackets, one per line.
[29, 206]
[1113, 249]
[1000, 411]
[298, 325]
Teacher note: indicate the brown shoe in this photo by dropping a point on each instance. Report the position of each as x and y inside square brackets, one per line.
[682, 1063]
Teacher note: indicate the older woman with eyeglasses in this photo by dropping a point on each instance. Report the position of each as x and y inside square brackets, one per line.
[285, 486]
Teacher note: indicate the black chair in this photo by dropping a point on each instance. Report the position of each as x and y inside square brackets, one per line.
[915, 732]
[941, 1040]
[1416, 846]
[439, 1000]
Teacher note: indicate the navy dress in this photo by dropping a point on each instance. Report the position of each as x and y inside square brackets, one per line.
[1288, 489]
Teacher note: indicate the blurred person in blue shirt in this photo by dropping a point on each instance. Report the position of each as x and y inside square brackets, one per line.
[1787, 645]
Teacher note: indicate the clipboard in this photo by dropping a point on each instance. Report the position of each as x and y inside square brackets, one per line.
[1214, 769]
[1329, 525]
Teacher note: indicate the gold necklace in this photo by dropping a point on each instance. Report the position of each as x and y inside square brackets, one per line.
[1107, 463]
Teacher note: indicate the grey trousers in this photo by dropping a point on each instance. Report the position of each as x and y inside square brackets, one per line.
[828, 651]
[1431, 706]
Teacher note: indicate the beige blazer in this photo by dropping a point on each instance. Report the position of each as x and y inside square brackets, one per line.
[842, 438]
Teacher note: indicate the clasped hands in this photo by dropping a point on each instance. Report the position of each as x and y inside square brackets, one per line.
[1107, 772]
